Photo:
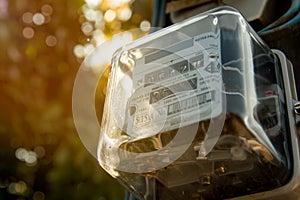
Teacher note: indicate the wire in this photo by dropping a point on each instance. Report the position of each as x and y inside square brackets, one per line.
[159, 13]
[162, 14]
[155, 13]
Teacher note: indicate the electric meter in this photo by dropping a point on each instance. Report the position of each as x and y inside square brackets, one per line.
[202, 109]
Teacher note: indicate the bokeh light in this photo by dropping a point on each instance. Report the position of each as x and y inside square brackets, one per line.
[40, 151]
[124, 14]
[28, 32]
[93, 15]
[38, 19]
[29, 157]
[87, 28]
[79, 51]
[27, 17]
[99, 37]
[43, 44]
[116, 3]
[145, 25]
[51, 40]
[17, 187]
[46, 10]
[38, 195]
[93, 3]
[110, 15]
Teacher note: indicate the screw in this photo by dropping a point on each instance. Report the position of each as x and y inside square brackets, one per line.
[205, 180]
[221, 170]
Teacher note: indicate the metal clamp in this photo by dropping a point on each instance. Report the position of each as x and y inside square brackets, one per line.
[297, 108]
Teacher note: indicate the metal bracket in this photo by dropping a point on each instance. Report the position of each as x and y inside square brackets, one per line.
[297, 111]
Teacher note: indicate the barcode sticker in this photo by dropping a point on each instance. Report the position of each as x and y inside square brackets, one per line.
[177, 86]
[191, 102]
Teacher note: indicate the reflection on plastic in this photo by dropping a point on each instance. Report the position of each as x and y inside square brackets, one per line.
[198, 113]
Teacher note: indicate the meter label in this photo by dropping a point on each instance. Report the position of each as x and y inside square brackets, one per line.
[177, 86]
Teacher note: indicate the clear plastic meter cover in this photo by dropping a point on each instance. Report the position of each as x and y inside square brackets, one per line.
[197, 111]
